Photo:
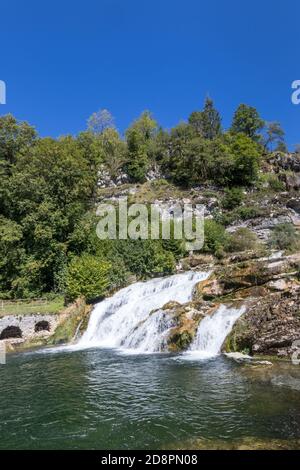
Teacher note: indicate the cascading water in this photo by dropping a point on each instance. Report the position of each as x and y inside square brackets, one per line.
[125, 319]
[213, 331]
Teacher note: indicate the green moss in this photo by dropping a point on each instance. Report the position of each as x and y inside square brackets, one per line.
[238, 340]
[180, 341]
[65, 332]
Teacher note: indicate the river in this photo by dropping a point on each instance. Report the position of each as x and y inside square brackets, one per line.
[104, 399]
[118, 388]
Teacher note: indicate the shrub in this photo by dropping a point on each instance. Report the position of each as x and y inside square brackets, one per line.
[285, 237]
[246, 159]
[144, 257]
[225, 218]
[87, 276]
[118, 274]
[215, 237]
[233, 198]
[250, 212]
[274, 183]
[241, 240]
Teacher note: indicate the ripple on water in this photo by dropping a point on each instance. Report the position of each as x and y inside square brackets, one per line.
[106, 400]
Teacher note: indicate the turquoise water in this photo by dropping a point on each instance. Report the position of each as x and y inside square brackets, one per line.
[101, 399]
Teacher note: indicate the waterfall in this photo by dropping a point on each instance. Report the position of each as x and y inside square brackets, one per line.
[126, 321]
[213, 331]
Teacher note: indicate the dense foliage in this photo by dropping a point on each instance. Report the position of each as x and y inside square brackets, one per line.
[87, 276]
[48, 192]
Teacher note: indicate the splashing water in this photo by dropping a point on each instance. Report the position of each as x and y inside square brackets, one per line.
[125, 319]
[213, 331]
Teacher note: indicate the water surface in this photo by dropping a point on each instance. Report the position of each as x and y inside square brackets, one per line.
[101, 399]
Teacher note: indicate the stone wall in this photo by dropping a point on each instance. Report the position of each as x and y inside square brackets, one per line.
[20, 328]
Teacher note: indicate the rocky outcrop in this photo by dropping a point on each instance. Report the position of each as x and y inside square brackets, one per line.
[270, 290]
[270, 326]
[73, 323]
[186, 321]
[285, 161]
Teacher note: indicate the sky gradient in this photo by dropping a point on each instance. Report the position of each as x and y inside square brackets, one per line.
[63, 60]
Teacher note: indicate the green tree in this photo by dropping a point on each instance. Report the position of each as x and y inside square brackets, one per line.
[196, 121]
[207, 123]
[232, 198]
[99, 121]
[274, 134]
[87, 276]
[139, 137]
[113, 151]
[11, 254]
[145, 125]
[137, 158]
[51, 187]
[215, 237]
[15, 137]
[247, 121]
[281, 147]
[179, 158]
[246, 157]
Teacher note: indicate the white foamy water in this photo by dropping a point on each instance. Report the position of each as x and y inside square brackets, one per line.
[125, 320]
[212, 333]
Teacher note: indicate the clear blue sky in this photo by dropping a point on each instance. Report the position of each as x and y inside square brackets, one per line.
[62, 60]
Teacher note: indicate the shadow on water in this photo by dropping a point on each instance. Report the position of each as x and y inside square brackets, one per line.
[101, 399]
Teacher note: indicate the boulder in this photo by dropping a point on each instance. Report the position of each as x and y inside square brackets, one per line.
[292, 182]
[270, 326]
[208, 289]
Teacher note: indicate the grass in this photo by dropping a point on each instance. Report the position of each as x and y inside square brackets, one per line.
[24, 307]
[157, 190]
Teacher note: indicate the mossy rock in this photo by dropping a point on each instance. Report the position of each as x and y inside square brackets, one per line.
[180, 340]
[238, 340]
[77, 315]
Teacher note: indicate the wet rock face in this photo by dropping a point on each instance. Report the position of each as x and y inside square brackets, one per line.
[248, 274]
[270, 290]
[270, 326]
[186, 319]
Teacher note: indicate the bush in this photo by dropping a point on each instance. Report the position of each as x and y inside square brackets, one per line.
[250, 212]
[274, 183]
[233, 198]
[243, 239]
[215, 237]
[247, 156]
[87, 276]
[141, 257]
[285, 237]
[118, 274]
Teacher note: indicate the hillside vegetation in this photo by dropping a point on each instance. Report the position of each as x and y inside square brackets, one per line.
[49, 190]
